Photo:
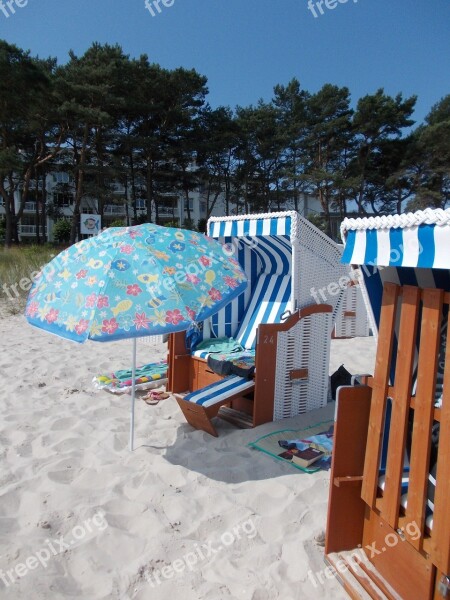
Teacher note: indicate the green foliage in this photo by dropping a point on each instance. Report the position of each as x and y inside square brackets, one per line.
[152, 130]
[171, 224]
[117, 223]
[189, 224]
[18, 266]
[61, 231]
[318, 220]
[201, 226]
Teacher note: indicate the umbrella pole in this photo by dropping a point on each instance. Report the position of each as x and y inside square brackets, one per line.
[133, 396]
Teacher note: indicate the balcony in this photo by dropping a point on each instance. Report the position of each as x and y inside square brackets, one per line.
[29, 230]
[167, 212]
[112, 209]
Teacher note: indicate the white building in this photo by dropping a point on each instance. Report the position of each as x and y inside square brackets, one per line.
[172, 207]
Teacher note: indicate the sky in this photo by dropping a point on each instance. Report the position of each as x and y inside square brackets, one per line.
[246, 47]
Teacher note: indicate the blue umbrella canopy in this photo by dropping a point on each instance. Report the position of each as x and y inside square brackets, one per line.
[131, 282]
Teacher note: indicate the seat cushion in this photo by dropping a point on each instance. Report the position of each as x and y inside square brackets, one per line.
[220, 391]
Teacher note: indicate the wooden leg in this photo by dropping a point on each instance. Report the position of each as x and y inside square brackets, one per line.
[346, 509]
[198, 416]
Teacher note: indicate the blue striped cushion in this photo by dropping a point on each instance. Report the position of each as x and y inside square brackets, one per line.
[270, 299]
[404, 496]
[262, 255]
[201, 353]
[221, 390]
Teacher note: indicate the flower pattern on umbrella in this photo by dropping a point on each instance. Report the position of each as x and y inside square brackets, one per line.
[134, 281]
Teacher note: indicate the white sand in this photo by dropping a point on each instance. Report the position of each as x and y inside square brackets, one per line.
[64, 457]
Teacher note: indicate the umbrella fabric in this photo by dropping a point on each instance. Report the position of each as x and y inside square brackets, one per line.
[131, 282]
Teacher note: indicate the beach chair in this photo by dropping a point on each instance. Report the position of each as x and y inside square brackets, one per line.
[287, 260]
[352, 320]
[388, 529]
[303, 385]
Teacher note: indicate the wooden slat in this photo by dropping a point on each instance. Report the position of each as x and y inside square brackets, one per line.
[380, 386]
[364, 579]
[400, 404]
[346, 509]
[440, 541]
[424, 410]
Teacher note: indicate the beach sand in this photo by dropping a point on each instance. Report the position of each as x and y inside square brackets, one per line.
[82, 517]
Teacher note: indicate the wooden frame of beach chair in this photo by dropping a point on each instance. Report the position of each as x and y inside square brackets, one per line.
[302, 381]
[379, 544]
[200, 417]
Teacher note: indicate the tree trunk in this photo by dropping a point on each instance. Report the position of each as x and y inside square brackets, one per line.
[79, 189]
[133, 187]
[186, 195]
[149, 195]
[43, 207]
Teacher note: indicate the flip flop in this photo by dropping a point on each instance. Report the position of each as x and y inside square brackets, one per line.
[152, 398]
[150, 402]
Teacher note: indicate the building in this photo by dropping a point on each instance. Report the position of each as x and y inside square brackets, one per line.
[59, 195]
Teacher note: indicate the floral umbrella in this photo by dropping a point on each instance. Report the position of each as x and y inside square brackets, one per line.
[131, 282]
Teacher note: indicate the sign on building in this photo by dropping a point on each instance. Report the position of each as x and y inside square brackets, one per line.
[90, 224]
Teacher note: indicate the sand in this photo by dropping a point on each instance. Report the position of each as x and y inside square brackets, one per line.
[184, 516]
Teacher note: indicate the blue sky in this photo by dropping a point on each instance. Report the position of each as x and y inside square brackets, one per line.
[245, 47]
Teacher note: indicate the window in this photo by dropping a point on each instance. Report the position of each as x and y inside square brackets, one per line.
[62, 177]
[203, 208]
[191, 204]
[62, 198]
[140, 204]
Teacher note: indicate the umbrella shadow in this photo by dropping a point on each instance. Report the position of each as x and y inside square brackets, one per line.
[228, 458]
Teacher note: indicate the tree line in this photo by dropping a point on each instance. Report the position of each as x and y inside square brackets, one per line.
[104, 118]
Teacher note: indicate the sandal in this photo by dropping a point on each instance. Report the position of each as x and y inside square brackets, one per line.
[152, 398]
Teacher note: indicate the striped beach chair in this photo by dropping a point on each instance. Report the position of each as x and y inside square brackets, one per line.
[390, 476]
[286, 260]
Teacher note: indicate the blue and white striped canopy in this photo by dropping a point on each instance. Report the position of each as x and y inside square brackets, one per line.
[255, 226]
[262, 244]
[419, 240]
[408, 249]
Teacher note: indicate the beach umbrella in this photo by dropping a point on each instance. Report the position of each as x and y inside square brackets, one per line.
[130, 282]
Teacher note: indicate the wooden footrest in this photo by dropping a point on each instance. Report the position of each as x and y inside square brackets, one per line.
[359, 577]
[236, 417]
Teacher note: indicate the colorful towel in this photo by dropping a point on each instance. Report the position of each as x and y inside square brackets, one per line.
[222, 345]
[148, 376]
[270, 444]
[322, 441]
